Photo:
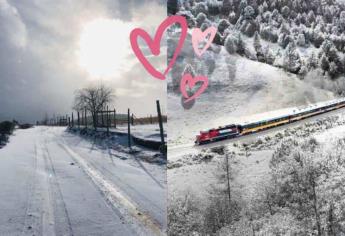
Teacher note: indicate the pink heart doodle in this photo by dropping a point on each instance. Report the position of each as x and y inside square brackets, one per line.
[189, 80]
[154, 44]
[198, 36]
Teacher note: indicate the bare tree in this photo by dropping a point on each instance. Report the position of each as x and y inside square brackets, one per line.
[94, 99]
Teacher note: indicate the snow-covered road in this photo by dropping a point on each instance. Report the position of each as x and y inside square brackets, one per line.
[56, 183]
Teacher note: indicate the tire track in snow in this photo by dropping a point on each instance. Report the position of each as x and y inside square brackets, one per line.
[128, 208]
[39, 218]
[29, 218]
[60, 210]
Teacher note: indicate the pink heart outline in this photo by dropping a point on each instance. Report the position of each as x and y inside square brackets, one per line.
[189, 80]
[154, 44]
[198, 36]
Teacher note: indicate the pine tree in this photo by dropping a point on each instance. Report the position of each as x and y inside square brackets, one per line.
[240, 45]
[324, 63]
[313, 61]
[292, 60]
[230, 45]
[258, 48]
[223, 25]
[201, 17]
[226, 7]
[301, 40]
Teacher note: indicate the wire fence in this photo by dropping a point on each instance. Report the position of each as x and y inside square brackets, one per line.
[108, 119]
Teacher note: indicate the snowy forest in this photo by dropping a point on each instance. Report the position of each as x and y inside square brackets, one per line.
[299, 36]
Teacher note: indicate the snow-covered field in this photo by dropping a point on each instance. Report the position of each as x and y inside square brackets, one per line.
[147, 132]
[56, 183]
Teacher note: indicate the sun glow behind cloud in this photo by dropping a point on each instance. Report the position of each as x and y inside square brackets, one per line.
[103, 47]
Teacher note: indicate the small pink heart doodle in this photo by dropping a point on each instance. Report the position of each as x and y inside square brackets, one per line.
[154, 44]
[189, 80]
[198, 36]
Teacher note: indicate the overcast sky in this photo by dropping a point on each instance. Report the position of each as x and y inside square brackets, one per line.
[50, 48]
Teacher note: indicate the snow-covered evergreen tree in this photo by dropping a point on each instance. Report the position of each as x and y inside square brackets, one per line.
[230, 44]
[301, 40]
[292, 60]
[201, 17]
[324, 63]
[240, 46]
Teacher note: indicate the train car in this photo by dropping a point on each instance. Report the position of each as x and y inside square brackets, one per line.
[230, 131]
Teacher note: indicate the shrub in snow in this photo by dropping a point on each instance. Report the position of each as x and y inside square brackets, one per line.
[230, 44]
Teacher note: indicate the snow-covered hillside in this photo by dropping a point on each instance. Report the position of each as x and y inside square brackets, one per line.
[196, 181]
[250, 72]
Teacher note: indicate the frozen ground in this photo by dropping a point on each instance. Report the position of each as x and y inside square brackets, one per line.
[56, 183]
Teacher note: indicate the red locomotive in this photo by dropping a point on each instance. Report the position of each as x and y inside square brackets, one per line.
[230, 131]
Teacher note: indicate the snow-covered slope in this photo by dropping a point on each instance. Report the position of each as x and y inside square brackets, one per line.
[239, 88]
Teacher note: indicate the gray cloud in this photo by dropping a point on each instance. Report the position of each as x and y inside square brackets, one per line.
[12, 28]
[39, 70]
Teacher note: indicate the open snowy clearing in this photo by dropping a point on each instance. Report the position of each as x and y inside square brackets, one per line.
[56, 183]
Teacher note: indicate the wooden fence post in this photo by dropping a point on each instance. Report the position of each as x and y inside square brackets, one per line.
[72, 120]
[69, 121]
[78, 121]
[85, 118]
[115, 118]
[107, 117]
[129, 128]
[102, 118]
[132, 119]
[160, 122]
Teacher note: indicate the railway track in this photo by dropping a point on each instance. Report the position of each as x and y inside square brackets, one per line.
[177, 151]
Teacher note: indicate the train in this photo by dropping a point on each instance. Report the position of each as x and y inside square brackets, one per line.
[237, 130]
